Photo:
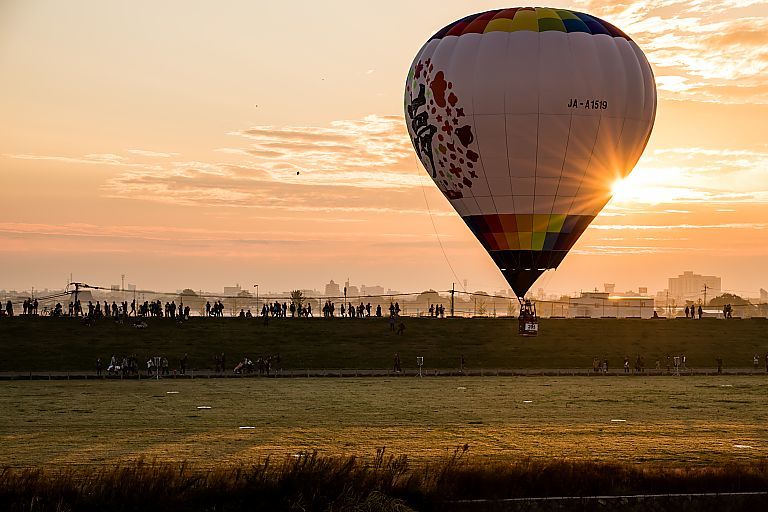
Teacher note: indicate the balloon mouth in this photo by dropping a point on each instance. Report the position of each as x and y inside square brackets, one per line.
[521, 280]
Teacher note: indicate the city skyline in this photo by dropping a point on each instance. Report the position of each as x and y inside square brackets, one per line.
[685, 287]
[215, 155]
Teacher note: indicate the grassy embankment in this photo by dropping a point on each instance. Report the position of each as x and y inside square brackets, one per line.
[48, 344]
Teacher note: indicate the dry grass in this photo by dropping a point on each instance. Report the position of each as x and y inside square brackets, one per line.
[85, 445]
[308, 482]
[683, 421]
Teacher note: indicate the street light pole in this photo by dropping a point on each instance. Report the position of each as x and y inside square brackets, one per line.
[257, 298]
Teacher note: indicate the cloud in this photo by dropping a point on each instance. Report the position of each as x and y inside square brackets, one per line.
[635, 227]
[631, 249]
[363, 165]
[89, 159]
[696, 175]
[707, 51]
[151, 154]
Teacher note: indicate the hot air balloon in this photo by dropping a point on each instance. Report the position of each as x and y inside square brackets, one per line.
[525, 118]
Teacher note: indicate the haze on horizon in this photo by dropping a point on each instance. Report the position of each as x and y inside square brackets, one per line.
[162, 141]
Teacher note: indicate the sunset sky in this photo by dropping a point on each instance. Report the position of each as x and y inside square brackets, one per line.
[162, 140]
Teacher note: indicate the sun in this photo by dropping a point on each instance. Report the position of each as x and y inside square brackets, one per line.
[620, 189]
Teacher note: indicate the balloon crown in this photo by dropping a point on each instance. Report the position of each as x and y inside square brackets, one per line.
[536, 19]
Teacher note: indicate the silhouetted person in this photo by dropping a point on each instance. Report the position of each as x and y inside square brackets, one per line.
[183, 365]
[701, 312]
[686, 311]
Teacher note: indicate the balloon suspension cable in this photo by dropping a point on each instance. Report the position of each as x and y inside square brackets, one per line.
[434, 227]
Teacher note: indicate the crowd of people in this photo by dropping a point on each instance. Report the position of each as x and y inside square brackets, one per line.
[159, 366]
[693, 312]
[263, 365]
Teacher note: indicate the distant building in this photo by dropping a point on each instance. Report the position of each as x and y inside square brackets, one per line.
[332, 289]
[603, 304]
[232, 291]
[352, 291]
[763, 296]
[371, 290]
[690, 287]
[609, 287]
[643, 290]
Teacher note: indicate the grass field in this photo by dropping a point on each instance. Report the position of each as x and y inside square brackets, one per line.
[665, 420]
[49, 344]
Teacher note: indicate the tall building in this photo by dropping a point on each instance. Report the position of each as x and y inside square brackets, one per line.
[332, 289]
[690, 286]
[763, 296]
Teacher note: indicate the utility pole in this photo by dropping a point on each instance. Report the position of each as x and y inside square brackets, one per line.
[453, 291]
[705, 294]
[122, 287]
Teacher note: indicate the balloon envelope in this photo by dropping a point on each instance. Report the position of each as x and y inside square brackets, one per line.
[525, 118]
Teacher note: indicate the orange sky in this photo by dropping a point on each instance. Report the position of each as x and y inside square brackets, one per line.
[162, 140]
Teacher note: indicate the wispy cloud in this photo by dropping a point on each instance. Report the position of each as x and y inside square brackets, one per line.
[345, 166]
[696, 175]
[635, 227]
[711, 51]
[151, 154]
[353, 166]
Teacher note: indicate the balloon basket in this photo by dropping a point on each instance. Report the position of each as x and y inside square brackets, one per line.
[528, 322]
